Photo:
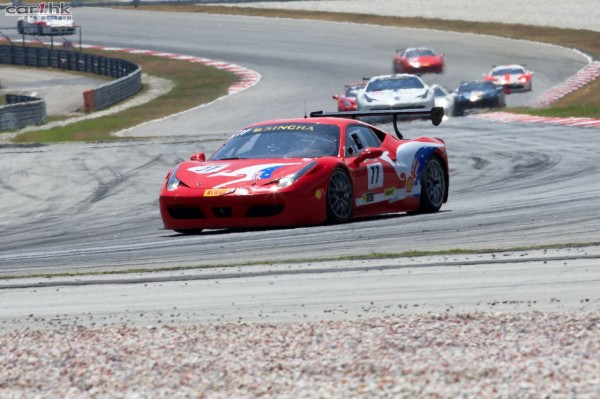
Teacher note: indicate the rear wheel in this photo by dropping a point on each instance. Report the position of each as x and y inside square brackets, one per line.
[433, 186]
[339, 197]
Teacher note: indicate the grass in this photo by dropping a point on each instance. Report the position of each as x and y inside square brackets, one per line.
[196, 84]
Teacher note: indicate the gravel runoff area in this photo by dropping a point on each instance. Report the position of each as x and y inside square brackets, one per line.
[471, 355]
[476, 355]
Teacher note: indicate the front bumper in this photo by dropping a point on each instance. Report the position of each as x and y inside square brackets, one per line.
[189, 209]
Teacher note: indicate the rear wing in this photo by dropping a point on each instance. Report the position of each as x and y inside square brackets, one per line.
[435, 114]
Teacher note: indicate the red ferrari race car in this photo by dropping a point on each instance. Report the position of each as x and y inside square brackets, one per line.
[418, 60]
[347, 101]
[327, 167]
[513, 78]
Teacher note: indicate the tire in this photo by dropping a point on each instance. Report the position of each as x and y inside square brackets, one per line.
[20, 28]
[339, 197]
[433, 185]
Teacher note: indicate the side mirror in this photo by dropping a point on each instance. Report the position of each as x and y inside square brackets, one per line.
[335, 97]
[200, 157]
[368, 153]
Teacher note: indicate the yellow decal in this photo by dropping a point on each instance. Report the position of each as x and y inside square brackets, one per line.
[319, 193]
[215, 192]
[389, 191]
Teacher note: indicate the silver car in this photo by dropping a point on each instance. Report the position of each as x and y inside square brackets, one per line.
[399, 91]
[445, 99]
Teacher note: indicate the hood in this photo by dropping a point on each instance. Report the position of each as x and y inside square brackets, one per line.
[507, 78]
[425, 60]
[394, 96]
[236, 173]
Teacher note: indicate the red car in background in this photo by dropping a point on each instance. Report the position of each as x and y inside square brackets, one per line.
[347, 101]
[512, 78]
[418, 60]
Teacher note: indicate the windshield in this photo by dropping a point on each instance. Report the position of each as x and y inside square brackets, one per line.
[476, 86]
[395, 83]
[352, 90]
[439, 92]
[508, 71]
[284, 140]
[418, 52]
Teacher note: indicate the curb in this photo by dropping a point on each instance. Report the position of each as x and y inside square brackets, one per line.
[511, 117]
[246, 78]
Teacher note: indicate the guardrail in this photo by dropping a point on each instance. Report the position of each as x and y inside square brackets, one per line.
[128, 75]
[22, 111]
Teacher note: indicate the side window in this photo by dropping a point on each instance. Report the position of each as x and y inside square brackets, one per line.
[358, 138]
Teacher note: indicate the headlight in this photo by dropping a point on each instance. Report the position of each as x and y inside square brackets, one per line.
[415, 64]
[173, 182]
[290, 179]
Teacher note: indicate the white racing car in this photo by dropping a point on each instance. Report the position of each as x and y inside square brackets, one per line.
[400, 91]
[46, 25]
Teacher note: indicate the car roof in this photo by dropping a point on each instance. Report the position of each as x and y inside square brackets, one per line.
[394, 76]
[508, 66]
[329, 120]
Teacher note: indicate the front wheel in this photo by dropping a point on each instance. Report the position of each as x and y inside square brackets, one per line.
[433, 186]
[339, 197]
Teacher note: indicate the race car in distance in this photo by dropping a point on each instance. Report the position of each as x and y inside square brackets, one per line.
[478, 94]
[347, 101]
[400, 91]
[327, 167]
[444, 98]
[46, 25]
[512, 78]
[418, 60]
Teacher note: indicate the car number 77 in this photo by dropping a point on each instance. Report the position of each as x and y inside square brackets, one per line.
[375, 176]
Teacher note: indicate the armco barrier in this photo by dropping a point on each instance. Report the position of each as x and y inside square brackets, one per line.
[22, 111]
[128, 75]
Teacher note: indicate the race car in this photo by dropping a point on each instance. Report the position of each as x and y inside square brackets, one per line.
[478, 94]
[418, 60]
[347, 101]
[401, 91]
[512, 78]
[329, 167]
[444, 98]
[45, 24]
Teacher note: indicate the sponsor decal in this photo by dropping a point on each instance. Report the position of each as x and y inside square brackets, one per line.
[287, 127]
[368, 197]
[320, 193]
[215, 192]
[389, 191]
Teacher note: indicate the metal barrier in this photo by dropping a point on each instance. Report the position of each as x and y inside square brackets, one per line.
[128, 75]
[22, 111]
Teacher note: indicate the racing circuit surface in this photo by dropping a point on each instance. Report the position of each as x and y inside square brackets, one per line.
[72, 208]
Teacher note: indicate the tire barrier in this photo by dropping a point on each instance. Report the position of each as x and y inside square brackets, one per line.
[128, 75]
[22, 111]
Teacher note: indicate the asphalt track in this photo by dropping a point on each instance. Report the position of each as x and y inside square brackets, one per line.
[94, 207]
